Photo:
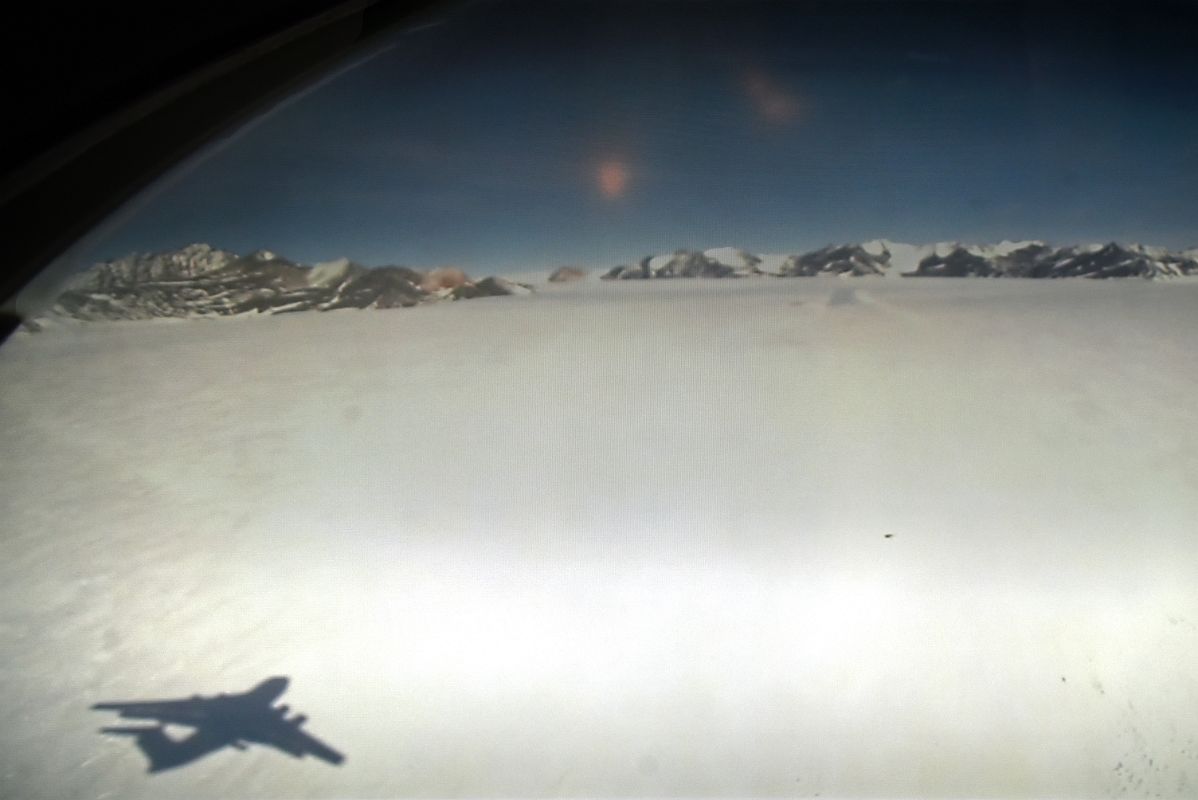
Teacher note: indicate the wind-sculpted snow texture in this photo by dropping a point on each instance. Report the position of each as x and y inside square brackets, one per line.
[201, 281]
[944, 259]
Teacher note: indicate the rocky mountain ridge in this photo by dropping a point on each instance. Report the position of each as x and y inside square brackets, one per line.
[203, 281]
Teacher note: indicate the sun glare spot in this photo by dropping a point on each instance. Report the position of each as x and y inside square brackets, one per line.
[612, 177]
[772, 102]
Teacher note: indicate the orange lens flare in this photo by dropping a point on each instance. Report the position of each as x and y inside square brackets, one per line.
[612, 177]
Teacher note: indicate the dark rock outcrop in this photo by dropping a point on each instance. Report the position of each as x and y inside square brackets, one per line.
[837, 260]
[959, 263]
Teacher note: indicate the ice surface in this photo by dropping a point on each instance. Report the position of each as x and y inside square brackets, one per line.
[677, 538]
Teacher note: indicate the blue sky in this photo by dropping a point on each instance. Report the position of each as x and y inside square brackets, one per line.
[520, 136]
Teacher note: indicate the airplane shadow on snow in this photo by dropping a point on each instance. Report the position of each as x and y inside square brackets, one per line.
[226, 720]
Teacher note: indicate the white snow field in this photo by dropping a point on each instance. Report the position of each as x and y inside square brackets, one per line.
[870, 538]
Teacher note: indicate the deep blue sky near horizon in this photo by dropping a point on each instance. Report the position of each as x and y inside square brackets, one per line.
[521, 136]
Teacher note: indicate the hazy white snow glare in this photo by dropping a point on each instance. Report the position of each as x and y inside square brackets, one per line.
[678, 538]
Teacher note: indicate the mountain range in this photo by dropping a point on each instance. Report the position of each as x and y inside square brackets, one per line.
[944, 259]
[202, 281]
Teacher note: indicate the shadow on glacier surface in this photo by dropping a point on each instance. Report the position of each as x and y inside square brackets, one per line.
[224, 720]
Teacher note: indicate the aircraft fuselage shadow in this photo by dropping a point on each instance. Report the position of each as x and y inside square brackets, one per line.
[226, 720]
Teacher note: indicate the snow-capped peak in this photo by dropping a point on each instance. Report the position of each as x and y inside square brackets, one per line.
[328, 273]
[733, 257]
[1006, 246]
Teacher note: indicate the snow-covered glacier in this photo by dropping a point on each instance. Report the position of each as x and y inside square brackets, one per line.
[636, 538]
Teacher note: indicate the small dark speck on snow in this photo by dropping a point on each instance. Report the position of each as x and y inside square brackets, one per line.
[889, 536]
[1062, 679]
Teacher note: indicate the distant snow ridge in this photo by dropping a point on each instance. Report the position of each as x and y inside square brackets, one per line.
[1028, 259]
[727, 262]
[567, 275]
[1038, 260]
[201, 281]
